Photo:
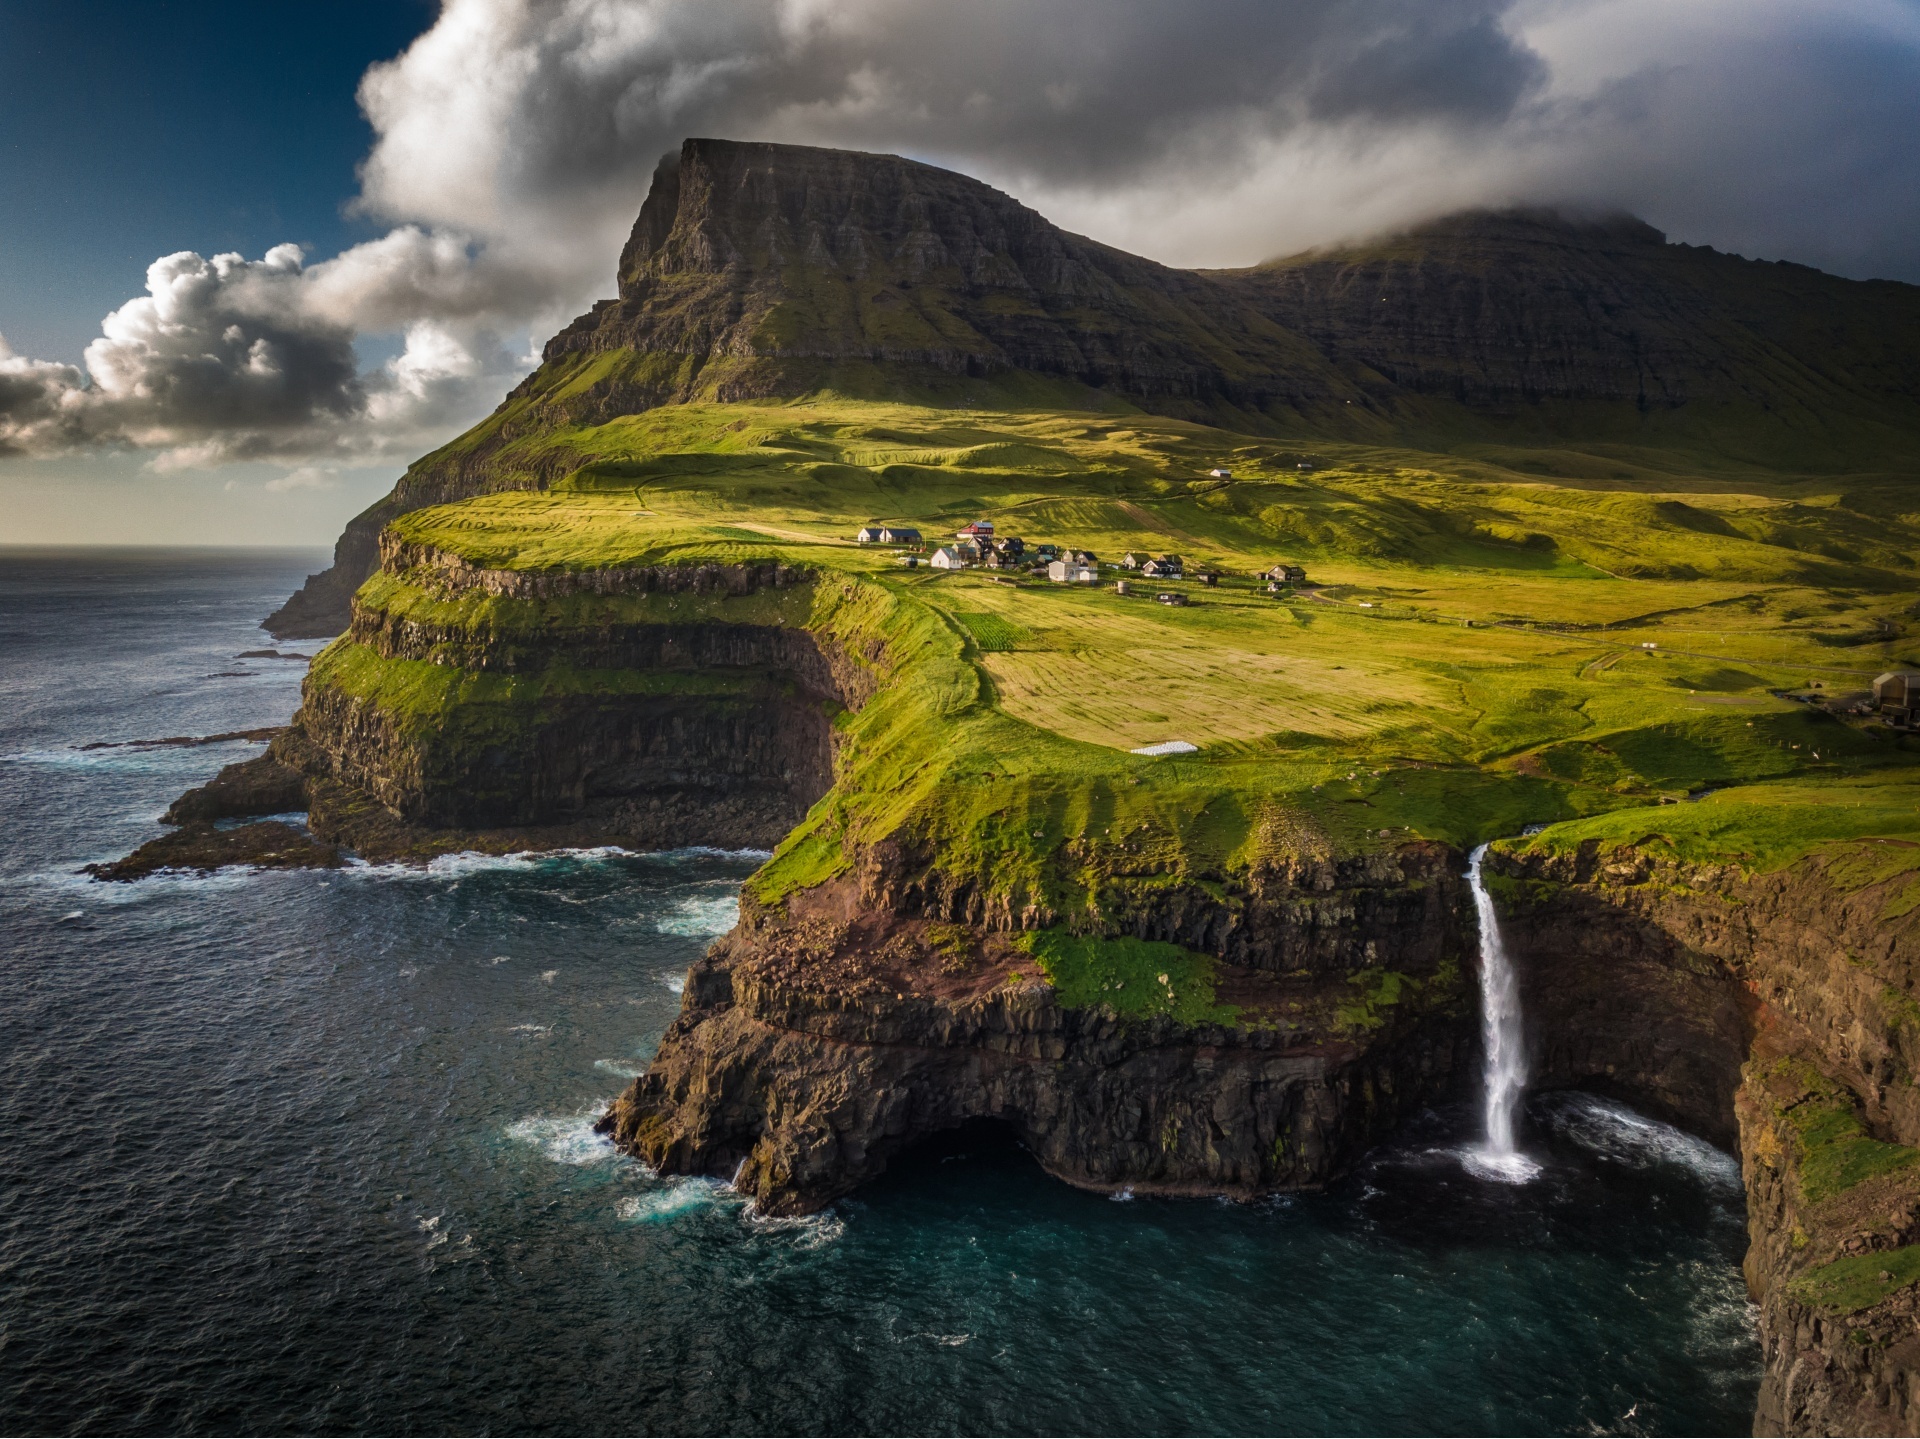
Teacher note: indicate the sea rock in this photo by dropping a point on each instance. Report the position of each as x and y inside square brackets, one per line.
[201, 845]
[263, 785]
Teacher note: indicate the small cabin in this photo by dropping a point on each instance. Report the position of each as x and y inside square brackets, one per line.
[1220, 474]
[1070, 572]
[898, 535]
[1171, 597]
[1133, 559]
[870, 535]
[1208, 578]
[1896, 694]
[948, 558]
[1285, 574]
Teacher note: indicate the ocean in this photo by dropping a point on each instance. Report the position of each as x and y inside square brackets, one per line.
[313, 1152]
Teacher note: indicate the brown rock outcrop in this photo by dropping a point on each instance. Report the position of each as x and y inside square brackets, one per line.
[204, 846]
[262, 785]
[818, 1041]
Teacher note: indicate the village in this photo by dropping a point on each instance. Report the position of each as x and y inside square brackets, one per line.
[1894, 696]
[977, 546]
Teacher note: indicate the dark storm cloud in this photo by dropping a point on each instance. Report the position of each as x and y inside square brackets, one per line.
[1472, 71]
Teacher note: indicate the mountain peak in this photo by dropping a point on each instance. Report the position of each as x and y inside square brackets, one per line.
[721, 204]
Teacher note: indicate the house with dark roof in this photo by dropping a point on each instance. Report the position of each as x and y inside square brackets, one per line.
[1896, 695]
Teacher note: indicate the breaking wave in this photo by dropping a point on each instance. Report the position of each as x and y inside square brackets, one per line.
[696, 918]
[674, 1198]
[567, 1139]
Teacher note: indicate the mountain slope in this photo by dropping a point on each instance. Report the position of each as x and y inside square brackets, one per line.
[1500, 311]
[759, 272]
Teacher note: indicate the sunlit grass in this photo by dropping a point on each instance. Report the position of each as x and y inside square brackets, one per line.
[1471, 654]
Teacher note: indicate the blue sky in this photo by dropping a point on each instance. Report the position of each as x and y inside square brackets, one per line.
[139, 128]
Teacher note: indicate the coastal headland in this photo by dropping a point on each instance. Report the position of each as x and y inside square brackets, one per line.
[1513, 527]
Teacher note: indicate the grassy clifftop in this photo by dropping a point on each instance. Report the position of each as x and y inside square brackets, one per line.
[1479, 647]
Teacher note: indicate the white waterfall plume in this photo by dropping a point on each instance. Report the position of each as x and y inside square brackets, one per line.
[1505, 1042]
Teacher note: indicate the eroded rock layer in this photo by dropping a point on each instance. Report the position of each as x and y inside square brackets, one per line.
[817, 1041]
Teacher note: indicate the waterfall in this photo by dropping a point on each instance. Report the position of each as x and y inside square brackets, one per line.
[1506, 1064]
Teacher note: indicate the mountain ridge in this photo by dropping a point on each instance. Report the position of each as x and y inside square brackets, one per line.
[757, 271]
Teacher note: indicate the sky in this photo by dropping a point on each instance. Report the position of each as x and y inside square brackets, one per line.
[255, 258]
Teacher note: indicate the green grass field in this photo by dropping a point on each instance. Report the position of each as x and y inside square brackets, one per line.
[1487, 639]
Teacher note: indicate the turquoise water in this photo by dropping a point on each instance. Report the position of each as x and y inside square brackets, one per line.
[313, 1152]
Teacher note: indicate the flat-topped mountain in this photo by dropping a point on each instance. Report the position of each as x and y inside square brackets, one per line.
[765, 270]
[760, 271]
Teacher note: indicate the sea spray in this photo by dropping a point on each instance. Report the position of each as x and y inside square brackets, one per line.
[1500, 1030]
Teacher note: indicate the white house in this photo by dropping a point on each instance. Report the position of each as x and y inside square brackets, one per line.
[1069, 572]
[948, 558]
[870, 535]
[1221, 474]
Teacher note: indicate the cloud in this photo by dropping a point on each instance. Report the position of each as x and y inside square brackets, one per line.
[228, 359]
[514, 140]
[306, 477]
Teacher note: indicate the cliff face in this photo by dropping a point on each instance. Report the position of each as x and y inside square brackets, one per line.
[432, 724]
[1777, 1012]
[1773, 1013]
[819, 1040]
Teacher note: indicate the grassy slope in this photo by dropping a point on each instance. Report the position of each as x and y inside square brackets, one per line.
[1467, 660]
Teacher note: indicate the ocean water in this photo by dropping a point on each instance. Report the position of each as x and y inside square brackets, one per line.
[313, 1153]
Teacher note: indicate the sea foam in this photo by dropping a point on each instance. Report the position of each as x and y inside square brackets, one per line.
[697, 918]
[565, 1139]
[1618, 1133]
